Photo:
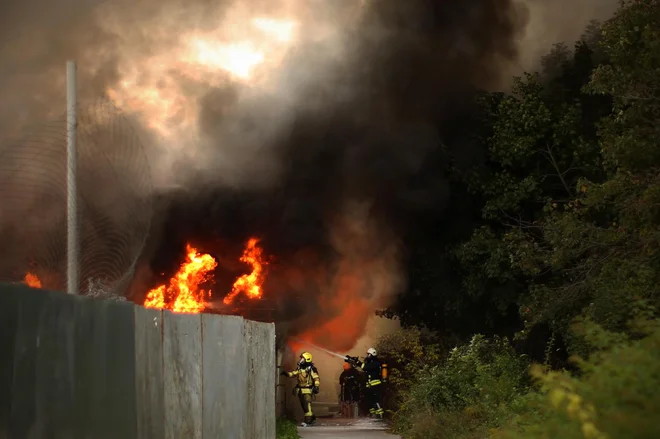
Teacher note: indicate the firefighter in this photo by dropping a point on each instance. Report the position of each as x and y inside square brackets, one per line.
[373, 368]
[349, 382]
[308, 385]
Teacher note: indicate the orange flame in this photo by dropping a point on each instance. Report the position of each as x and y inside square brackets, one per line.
[250, 284]
[32, 281]
[183, 293]
[346, 319]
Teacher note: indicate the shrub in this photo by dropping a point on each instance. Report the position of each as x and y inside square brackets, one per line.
[615, 396]
[407, 352]
[467, 393]
[286, 429]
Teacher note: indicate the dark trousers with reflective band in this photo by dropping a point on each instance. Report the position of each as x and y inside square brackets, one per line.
[373, 394]
[305, 397]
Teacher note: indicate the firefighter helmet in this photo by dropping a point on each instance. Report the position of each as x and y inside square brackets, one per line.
[306, 356]
[372, 352]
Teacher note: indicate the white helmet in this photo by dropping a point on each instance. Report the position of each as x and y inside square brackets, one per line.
[372, 352]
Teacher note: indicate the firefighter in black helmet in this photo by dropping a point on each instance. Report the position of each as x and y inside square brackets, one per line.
[373, 368]
[308, 385]
[349, 381]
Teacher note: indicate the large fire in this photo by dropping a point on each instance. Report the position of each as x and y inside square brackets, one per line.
[251, 283]
[183, 293]
[347, 314]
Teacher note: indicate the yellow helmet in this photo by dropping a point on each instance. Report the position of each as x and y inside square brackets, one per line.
[306, 356]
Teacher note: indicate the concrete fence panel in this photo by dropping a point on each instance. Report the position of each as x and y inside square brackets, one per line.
[225, 378]
[8, 327]
[149, 373]
[90, 366]
[80, 368]
[23, 414]
[55, 378]
[260, 346]
[182, 374]
[104, 369]
[119, 417]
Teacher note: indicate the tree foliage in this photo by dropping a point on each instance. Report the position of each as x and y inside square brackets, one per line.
[465, 393]
[568, 193]
[566, 233]
[614, 397]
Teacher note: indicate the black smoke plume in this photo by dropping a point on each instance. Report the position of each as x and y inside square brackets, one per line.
[338, 168]
[359, 163]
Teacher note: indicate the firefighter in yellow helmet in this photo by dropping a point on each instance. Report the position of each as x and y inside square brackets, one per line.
[308, 385]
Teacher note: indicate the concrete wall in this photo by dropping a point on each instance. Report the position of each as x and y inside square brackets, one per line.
[79, 368]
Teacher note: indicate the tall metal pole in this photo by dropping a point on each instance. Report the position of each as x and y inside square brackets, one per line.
[73, 243]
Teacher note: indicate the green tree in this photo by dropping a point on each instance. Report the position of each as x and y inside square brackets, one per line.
[542, 143]
[614, 397]
[602, 246]
[569, 233]
[631, 41]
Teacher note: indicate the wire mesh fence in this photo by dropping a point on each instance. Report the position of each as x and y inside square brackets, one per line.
[114, 201]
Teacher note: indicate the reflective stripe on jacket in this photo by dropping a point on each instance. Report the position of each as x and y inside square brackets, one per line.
[372, 367]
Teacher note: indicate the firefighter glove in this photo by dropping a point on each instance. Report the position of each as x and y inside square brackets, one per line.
[284, 374]
[315, 390]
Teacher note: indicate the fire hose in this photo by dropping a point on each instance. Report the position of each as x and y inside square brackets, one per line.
[334, 354]
[353, 361]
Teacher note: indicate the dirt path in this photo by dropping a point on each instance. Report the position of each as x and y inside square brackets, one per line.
[346, 429]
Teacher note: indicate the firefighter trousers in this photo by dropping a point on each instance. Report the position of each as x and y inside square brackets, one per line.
[350, 394]
[373, 395]
[306, 404]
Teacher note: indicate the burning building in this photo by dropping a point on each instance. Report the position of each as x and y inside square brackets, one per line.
[264, 291]
[307, 142]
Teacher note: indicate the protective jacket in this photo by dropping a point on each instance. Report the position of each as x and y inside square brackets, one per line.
[372, 367]
[308, 378]
[308, 383]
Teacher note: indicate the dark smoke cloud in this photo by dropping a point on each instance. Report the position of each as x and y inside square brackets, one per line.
[36, 39]
[353, 161]
[333, 170]
[557, 21]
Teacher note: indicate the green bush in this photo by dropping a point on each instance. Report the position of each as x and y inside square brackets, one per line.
[484, 385]
[468, 393]
[286, 429]
[615, 396]
[407, 352]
